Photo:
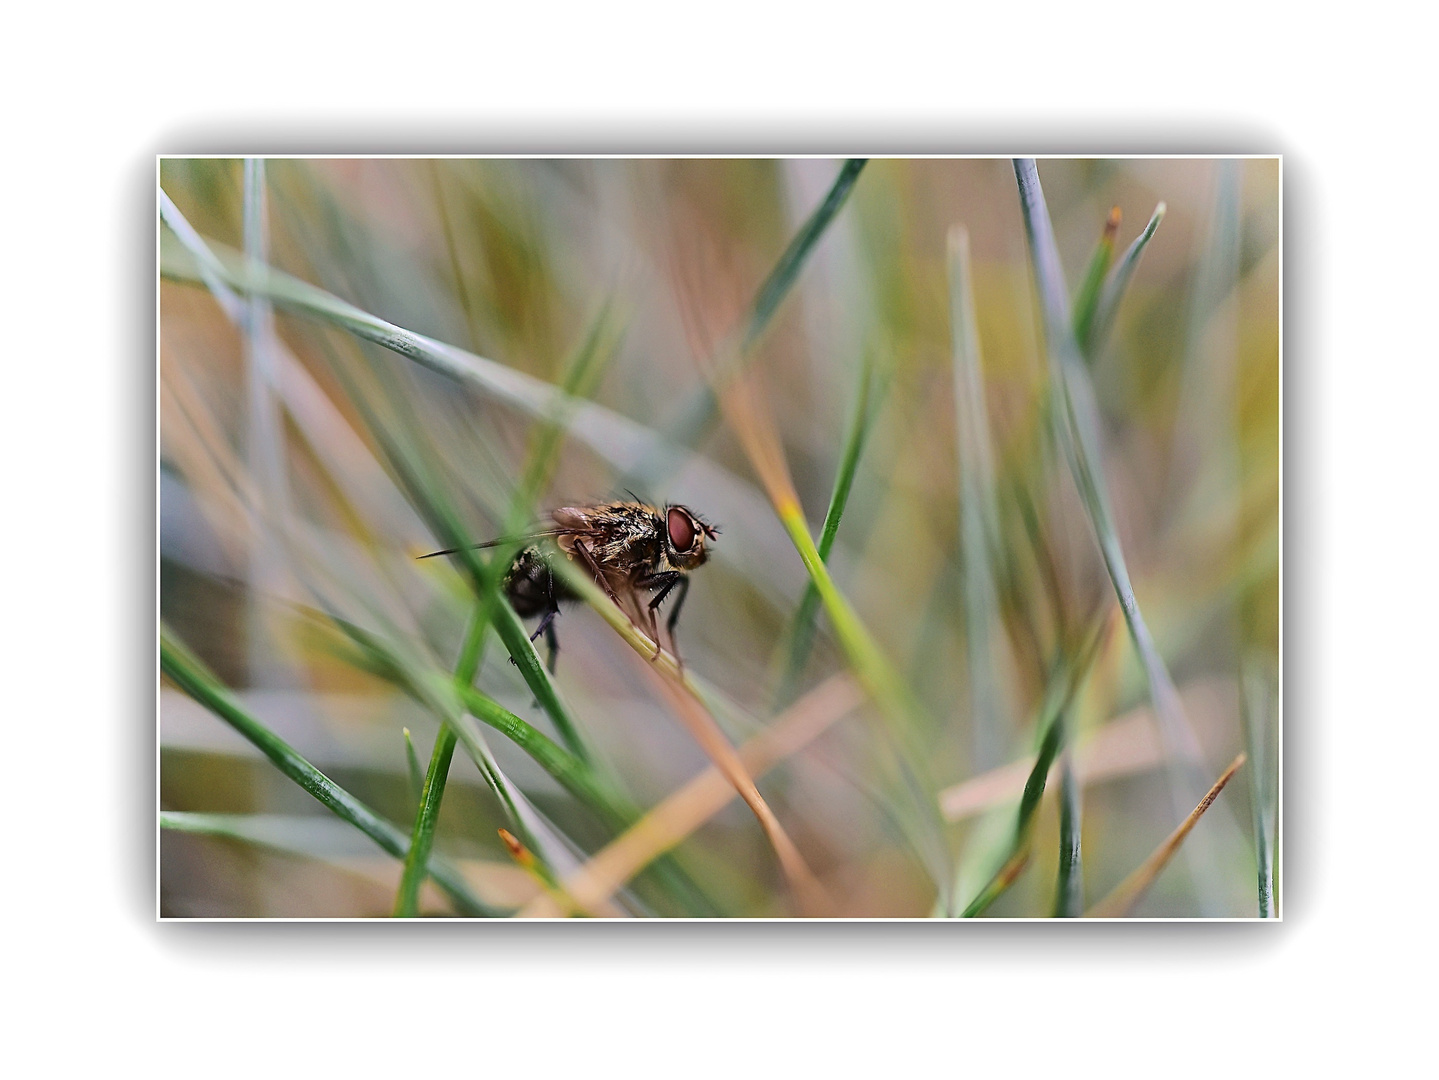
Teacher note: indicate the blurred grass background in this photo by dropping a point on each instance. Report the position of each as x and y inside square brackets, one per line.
[303, 469]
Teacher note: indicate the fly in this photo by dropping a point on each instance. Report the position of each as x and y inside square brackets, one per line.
[637, 553]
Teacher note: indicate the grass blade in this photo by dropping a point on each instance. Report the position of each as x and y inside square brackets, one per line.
[1086, 300]
[1069, 885]
[1069, 676]
[413, 770]
[1127, 893]
[979, 514]
[311, 836]
[1077, 432]
[187, 672]
[1254, 714]
[1115, 286]
[801, 634]
[701, 410]
[786, 271]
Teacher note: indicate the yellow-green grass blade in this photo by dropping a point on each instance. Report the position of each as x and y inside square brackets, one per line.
[800, 638]
[888, 691]
[1086, 297]
[188, 673]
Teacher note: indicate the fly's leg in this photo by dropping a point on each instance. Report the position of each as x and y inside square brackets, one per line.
[684, 584]
[663, 583]
[594, 568]
[552, 641]
[547, 624]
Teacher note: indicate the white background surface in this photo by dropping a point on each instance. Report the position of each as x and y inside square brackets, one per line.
[90, 96]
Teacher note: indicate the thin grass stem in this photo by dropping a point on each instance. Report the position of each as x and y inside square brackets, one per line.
[1128, 892]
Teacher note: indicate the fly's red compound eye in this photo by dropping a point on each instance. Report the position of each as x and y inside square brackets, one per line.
[681, 529]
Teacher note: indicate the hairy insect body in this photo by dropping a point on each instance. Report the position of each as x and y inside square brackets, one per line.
[632, 550]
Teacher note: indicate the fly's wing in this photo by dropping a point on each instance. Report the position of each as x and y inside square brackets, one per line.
[574, 519]
[524, 538]
[567, 521]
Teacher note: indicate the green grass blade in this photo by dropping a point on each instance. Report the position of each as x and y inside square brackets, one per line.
[423, 835]
[1115, 285]
[1069, 676]
[1086, 300]
[1069, 885]
[778, 283]
[412, 767]
[593, 790]
[459, 704]
[187, 672]
[802, 629]
[979, 515]
[699, 413]
[432, 794]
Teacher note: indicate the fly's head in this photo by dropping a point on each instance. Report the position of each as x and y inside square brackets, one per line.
[685, 536]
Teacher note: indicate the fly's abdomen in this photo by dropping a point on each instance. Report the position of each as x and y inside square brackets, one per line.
[532, 585]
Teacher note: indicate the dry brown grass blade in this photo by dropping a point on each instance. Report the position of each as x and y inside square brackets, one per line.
[1127, 893]
[809, 894]
[688, 704]
[689, 807]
